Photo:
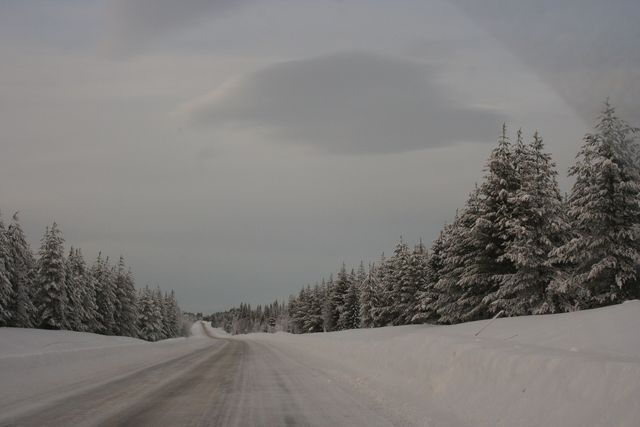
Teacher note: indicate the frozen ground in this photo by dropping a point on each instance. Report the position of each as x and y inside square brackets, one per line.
[577, 369]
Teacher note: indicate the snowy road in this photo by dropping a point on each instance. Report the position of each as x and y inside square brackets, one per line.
[231, 383]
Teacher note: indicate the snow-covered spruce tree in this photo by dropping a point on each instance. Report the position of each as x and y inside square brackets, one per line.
[383, 311]
[76, 288]
[91, 318]
[400, 290]
[149, 316]
[51, 295]
[6, 291]
[492, 232]
[21, 271]
[329, 312]
[418, 280]
[105, 294]
[369, 298]
[175, 315]
[426, 307]
[129, 308]
[537, 227]
[350, 315]
[337, 296]
[158, 302]
[313, 318]
[603, 254]
[299, 310]
[464, 255]
[124, 314]
[171, 319]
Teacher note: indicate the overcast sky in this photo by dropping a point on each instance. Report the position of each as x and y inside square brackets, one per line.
[237, 150]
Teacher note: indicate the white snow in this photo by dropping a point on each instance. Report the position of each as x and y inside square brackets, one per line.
[34, 363]
[574, 369]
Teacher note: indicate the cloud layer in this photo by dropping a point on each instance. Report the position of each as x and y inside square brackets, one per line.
[347, 103]
[135, 24]
[586, 50]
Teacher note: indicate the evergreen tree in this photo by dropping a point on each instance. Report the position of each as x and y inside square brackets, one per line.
[150, 325]
[492, 232]
[350, 315]
[462, 256]
[51, 295]
[91, 318]
[158, 302]
[313, 318]
[76, 287]
[6, 291]
[538, 226]
[383, 311]
[338, 297]
[369, 299]
[329, 316]
[427, 295]
[105, 295]
[417, 282]
[21, 271]
[604, 207]
[124, 314]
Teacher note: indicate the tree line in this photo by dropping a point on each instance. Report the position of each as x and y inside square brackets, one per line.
[52, 291]
[517, 247]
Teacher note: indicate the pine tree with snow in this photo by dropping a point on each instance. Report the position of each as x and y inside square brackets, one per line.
[492, 232]
[105, 295]
[124, 315]
[21, 272]
[427, 296]
[150, 326]
[337, 293]
[369, 299]
[76, 314]
[457, 300]
[416, 282]
[6, 291]
[313, 317]
[329, 312]
[383, 312]
[174, 316]
[602, 256]
[338, 297]
[350, 315]
[90, 317]
[163, 334]
[538, 226]
[51, 295]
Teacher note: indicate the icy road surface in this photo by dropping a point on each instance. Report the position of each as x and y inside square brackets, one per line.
[229, 383]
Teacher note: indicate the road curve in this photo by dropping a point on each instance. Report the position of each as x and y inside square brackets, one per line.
[235, 382]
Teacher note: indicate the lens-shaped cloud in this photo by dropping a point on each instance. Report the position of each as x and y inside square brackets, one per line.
[346, 103]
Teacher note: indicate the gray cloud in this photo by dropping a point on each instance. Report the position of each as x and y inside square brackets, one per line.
[347, 103]
[135, 24]
[586, 50]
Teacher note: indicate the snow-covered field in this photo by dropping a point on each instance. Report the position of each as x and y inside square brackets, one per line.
[38, 365]
[574, 369]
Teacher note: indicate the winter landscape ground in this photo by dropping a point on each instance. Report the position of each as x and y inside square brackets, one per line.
[570, 369]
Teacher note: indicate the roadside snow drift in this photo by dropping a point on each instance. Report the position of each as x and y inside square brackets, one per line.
[573, 369]
[38, 365]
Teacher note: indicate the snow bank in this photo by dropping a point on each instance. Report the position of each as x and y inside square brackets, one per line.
[34, 363]
[575, 369]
